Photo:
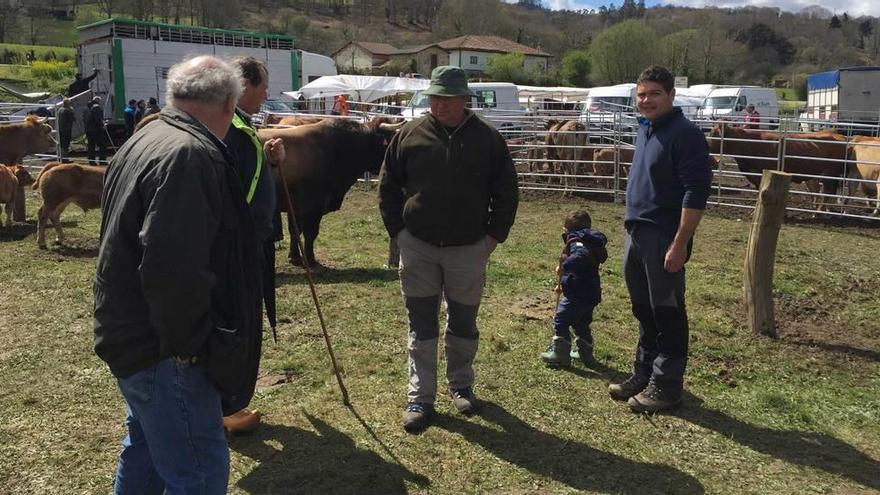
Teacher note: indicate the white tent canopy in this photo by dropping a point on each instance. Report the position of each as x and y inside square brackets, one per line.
[360, 88]
[559, 93]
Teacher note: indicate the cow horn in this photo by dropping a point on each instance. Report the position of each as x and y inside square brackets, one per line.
[43, 120]
[391, 127]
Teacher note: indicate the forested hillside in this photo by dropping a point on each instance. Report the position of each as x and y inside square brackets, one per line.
[607, 45]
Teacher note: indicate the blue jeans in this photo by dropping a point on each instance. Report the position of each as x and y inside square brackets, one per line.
[175, 440]
[576, 316]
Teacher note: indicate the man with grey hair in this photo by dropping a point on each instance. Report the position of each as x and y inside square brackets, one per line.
[177, 285]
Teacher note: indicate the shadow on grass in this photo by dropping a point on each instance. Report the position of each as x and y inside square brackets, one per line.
[17, 231]
[76, 251]
[574, 464]
[806, 448]
[848, 350]
[293, 460]
[329, 275]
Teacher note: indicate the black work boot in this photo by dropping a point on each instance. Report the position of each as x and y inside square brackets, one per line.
[416, 416]
[632, 386]
[464, 400]
[656, 397]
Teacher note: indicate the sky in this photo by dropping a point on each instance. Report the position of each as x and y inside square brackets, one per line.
[852, 7]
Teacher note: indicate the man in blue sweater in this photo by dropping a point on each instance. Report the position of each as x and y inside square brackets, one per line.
[665, 197]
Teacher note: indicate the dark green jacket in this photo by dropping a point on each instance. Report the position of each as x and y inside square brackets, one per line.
[178, 253]
[448, 189]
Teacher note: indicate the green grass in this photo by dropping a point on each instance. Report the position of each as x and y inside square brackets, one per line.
[789, 416]
[788, 94]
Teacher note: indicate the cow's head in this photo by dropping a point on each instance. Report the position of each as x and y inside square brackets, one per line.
[24, 177]
[382, 130]
[39, 136]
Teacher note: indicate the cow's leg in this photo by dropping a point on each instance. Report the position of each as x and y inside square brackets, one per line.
[41, 227]
[55, 216]
[877, 205]
[9, 207]
[294, 255]
[310, 227]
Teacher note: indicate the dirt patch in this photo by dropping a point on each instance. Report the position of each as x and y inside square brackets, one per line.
[275, 378]
[539, 308]
[805, 321]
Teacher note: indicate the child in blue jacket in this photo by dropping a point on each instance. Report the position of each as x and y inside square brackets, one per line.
[579, 283]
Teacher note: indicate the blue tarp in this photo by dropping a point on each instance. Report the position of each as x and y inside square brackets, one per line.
[825, 80]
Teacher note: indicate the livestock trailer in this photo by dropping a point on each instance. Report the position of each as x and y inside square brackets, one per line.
[133, 57]
[846, 96]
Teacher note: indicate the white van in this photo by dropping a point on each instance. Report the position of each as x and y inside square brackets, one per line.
[730, 103]
[493, 101]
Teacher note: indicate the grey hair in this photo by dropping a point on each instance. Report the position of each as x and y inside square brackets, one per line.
[203, 79]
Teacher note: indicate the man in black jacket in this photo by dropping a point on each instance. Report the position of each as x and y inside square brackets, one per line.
[79, 84]
[448, 195]
[253, 160]
[96, 134]
[177, 286]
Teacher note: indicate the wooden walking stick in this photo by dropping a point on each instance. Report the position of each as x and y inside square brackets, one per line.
[292, 218]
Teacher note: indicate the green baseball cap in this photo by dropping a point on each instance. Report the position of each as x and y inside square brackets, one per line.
[448, 80]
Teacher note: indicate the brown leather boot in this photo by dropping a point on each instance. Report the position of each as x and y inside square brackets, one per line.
[242, 422]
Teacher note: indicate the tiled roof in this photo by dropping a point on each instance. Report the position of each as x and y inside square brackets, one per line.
[377, 48]
[489, 44]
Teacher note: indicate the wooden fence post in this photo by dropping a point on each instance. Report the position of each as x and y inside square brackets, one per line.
[761, 251]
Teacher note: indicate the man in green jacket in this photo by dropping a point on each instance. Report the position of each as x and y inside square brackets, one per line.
[448, 195]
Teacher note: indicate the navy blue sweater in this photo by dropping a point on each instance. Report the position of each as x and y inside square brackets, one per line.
[670, 171]
[263, 205]
[584, 252]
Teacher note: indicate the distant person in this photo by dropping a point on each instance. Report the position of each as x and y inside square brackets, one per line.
[129, 114]
[65, 117]
[340, 106]
[96, 133]
[578, 271]
[80, 85]
[152, 107]
[301, 104]
[139, 112]
[751, 119]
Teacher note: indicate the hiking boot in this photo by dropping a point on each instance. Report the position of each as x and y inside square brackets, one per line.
[242, 422]
[583, 350]
[416, 416]
[464, 400]
[557, 354]
[632, 386]
[655, 398]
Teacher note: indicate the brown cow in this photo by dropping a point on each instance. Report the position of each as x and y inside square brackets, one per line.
[568, 141]
[10, 180]
[603, 164]
[323, 161]
[61, 184]
[294, 121]
[866, 154]
[765, 144]
[18, 140]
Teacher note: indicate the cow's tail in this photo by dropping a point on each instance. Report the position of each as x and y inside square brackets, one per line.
[47, 167]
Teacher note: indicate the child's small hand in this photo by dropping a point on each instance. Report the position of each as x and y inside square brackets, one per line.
[558, 289]
[558, 270]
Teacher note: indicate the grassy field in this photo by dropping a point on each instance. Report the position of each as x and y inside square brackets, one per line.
[799, 414]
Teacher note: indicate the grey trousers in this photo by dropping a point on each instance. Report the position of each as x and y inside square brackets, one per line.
[658, 304]
[458, 273]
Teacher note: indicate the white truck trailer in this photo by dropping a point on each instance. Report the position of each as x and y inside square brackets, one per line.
[133, 58]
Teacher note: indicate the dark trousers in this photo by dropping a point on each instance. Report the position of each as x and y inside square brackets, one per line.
[658, 304]
[64, 140]
[99, 140]
[570, 314]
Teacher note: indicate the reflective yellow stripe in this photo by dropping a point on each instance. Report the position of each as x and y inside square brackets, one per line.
[241, 125]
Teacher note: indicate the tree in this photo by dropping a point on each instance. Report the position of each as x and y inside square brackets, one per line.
[8, 19]
[576, 68]
[619, 53]
[508, 68]
[866, 27]
[835, 23]
[679, 50]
